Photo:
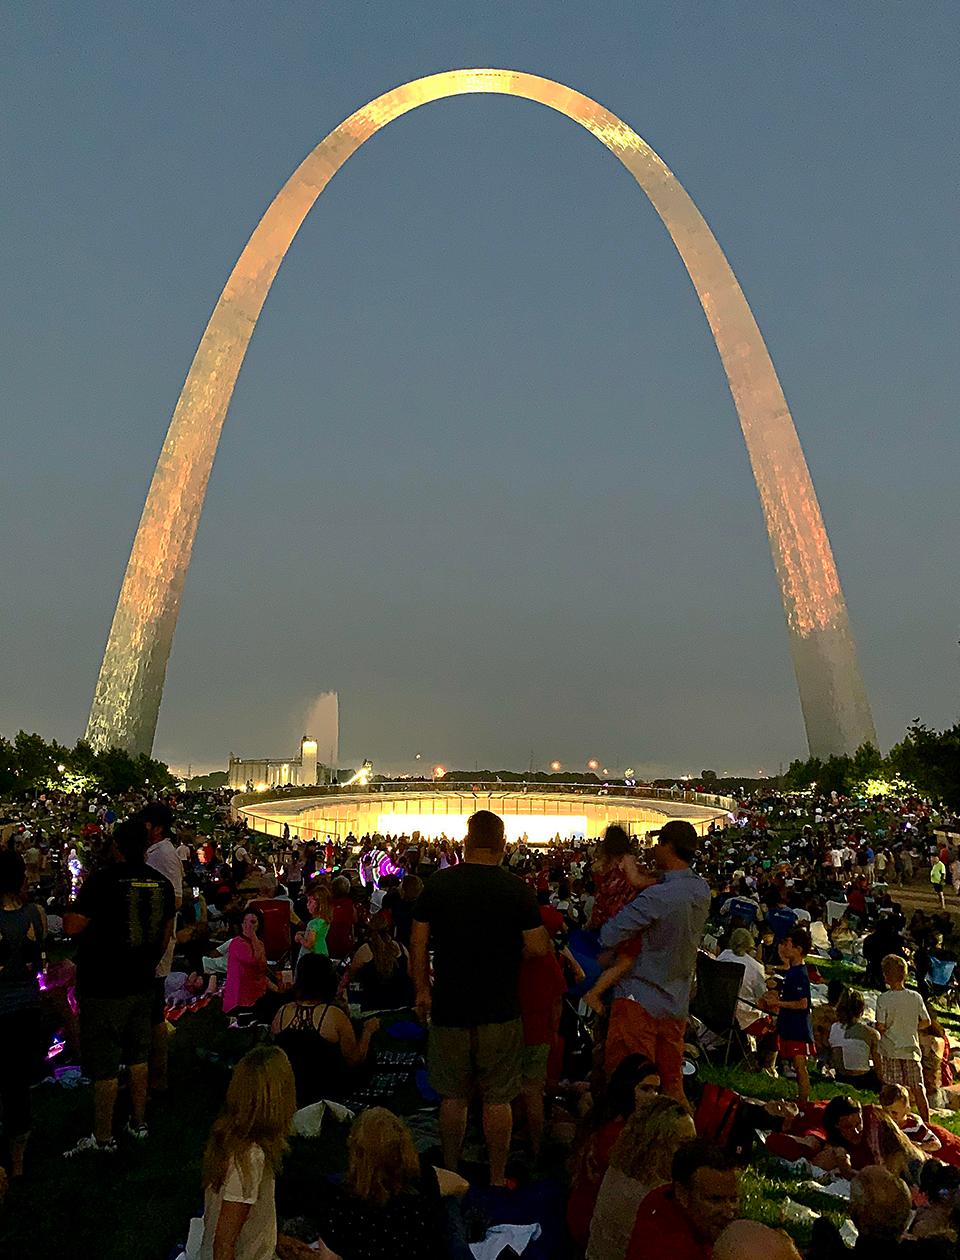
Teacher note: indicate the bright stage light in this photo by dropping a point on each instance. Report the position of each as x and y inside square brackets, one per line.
[539, 829]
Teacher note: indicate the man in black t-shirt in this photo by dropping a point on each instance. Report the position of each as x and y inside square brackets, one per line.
[481, 921]
[124, 917]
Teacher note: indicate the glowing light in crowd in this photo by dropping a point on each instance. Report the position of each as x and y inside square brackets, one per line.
[129, 688]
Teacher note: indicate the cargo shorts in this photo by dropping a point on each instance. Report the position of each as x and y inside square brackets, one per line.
[114, 1030]
[488, 1058]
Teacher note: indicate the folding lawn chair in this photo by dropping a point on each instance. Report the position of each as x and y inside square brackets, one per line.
[940, 978]
[715, 1002]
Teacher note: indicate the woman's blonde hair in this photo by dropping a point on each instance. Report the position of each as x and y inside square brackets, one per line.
[649, 1141]
[381, 1158]
[385, 950]
[258, 1111]
[893, 1145]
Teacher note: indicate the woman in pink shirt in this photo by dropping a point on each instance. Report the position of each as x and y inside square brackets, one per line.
[246, 979]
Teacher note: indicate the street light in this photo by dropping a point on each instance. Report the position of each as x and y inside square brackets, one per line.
[554, 766]
[593, 764]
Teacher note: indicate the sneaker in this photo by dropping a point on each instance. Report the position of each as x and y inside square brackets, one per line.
[138, 1131]
[91, 1144]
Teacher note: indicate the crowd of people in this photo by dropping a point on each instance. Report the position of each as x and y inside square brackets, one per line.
[563, 999]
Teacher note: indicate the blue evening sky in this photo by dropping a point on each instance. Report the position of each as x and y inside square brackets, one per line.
[482, 474]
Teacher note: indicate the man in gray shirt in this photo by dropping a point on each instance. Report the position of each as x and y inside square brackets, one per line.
[650, 1004]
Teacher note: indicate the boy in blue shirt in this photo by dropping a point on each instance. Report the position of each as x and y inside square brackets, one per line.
[793, 1006]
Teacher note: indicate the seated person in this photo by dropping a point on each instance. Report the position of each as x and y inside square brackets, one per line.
[940, 1186]
[343, 925]
[316, 1035]
[634, 1080]
[182, 987]
[753, 987]
[640, 1161]
[390, 1203]
[845, 1149]
[880, 1208]
[246, 982]
[824, 1016]
[855, 1045]
[749, 1238]
[381, 968]
[895, 1101]
[684, 1219]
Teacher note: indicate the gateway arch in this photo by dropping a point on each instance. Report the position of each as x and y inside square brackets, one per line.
[126, 703]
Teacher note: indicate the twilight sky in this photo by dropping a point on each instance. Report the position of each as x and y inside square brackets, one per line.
[481, 474]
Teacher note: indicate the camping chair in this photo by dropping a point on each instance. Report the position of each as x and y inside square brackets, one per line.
[715, 1002]
[941, 980]
[276, 929]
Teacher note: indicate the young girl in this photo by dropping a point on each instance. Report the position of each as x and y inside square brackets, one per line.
[243, 1155]
[314, 937]
[794, 1029]
[618, 878]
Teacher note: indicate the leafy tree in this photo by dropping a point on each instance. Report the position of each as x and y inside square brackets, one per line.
[8, 767]
[931, 760]
[36, 759]
[867, 764]
[82, 759]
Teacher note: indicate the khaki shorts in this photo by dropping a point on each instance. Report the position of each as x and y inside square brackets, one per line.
[114, 1030]
[536, 1060]
[488, 1057]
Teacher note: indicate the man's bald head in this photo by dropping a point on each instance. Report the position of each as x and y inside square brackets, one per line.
[879, 1203]
[750, 1238]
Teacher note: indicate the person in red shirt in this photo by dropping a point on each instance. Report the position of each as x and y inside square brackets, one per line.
[634, 1080]
[684, 1219]
[342, 936]
[542, 986]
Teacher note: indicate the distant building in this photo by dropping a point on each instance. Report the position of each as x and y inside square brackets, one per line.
[254, 774]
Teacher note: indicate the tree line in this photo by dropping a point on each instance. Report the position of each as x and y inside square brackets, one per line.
[30, 764]
[925, 761]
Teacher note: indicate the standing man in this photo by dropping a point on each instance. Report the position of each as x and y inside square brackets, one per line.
[124, 917]
[162, 857]
[938, 877]
[650, 1004]
[481, 921]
